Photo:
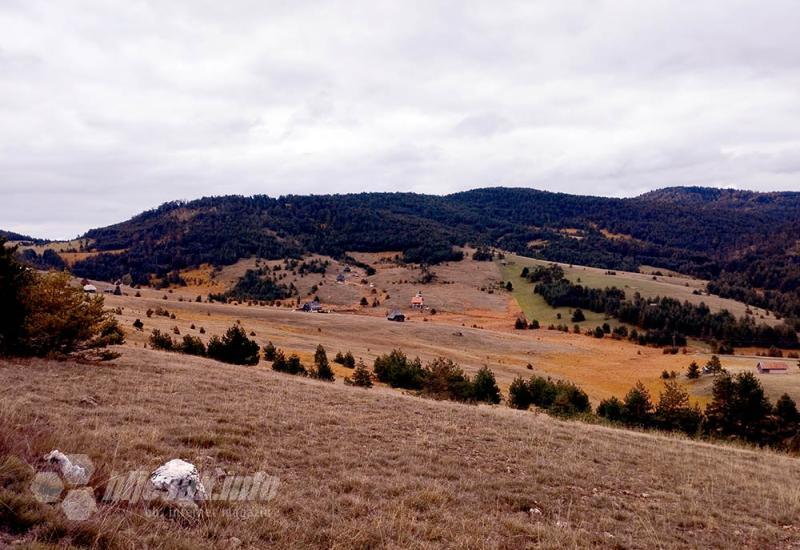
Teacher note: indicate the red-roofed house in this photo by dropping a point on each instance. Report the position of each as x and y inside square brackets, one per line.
[768, 367]
[418, 301]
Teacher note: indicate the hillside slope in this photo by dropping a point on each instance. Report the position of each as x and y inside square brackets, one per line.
[745, 242]
[361, 468]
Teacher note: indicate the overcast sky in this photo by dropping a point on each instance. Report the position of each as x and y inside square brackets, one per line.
[109, 108]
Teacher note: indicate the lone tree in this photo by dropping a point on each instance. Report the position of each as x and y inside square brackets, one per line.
[324, 371]
[693, 371]
[578, 316]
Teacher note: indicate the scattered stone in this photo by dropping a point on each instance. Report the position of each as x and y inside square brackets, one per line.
[75, 474]
[178, 481]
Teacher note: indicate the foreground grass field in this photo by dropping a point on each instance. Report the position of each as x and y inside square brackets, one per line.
[374, 468]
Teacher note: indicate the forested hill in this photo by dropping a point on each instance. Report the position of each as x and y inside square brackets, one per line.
[740, 239]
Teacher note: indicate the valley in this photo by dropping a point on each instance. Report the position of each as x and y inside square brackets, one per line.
[472, 324]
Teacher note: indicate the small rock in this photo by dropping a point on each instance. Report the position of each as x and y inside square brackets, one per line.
[233, 542]
[73, 473]
[178, 481]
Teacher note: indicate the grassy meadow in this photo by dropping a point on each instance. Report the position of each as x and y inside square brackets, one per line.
[374, 468]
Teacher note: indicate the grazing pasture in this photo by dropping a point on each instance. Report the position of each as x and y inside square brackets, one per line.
[375, 468]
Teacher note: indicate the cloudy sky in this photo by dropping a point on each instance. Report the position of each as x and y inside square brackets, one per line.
[108, 108]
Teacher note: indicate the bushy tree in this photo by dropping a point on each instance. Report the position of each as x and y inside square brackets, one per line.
[739, 408]
[192, 345]
[398, 371]
[444, 379]
[714, 365]
[611, 408]
[269, 351]
[786, 410]
[518, 395]
[161, 340]
[361, 376]
[234, 347]
[673, 411]
[637, 406]
[61, 319]
[578, 316]
[14, 279]
[558, 397]
[323, 368]
[484, 387]
[294, 366]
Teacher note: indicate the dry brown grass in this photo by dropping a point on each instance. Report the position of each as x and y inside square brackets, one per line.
[375, 468]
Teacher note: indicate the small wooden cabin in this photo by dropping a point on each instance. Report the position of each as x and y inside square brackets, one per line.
[772, 367]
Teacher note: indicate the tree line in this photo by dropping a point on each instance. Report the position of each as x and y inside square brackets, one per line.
[667, 321]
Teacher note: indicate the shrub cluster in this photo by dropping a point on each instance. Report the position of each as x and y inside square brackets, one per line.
[441, 378]
[346, 359]
[555, 396]
[234, 347]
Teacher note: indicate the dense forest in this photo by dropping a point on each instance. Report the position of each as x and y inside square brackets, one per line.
[745, 242]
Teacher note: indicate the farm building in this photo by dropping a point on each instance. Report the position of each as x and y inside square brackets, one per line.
[313, 306]
[90, 289]
[396, 315]
[771, 367]
[418, 301]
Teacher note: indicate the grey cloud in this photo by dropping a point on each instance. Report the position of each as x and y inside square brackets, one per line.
[109, 108]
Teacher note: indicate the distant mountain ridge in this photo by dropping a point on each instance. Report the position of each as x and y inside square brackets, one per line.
[740, 239]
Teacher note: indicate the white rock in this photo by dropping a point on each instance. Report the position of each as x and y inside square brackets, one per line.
[178, 480]
[73, 473]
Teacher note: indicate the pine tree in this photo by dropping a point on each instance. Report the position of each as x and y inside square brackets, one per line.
[638, 405]
[324, 371]
[13, 279]
[693, 371]
[269, 351]
[484, 387]
[361, 376]
[714, 365]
